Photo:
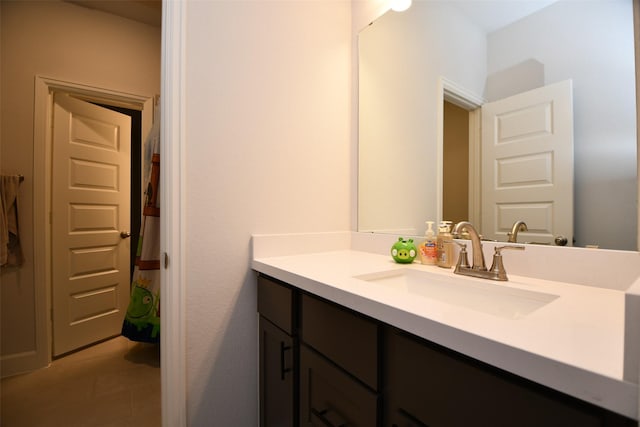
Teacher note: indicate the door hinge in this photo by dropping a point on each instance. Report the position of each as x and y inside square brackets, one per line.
[166, 261]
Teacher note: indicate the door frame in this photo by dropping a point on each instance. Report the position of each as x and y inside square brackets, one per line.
[463, 98]
[45, 88]
[173, 345]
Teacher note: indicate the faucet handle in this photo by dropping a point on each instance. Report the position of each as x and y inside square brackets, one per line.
[497, 268]
[498, 249]
[463, 261]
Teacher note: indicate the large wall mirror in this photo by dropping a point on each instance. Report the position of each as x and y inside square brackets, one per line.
[431, 72]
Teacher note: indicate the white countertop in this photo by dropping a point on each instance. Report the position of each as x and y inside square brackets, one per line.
[574, 344]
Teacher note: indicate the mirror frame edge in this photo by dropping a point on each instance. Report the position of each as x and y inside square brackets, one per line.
[636, 33]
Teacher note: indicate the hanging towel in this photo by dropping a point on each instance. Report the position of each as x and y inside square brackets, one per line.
[10, 250]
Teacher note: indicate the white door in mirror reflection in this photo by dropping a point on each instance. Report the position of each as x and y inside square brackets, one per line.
[527, 164]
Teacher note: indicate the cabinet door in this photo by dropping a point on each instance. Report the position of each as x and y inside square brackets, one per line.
[331, 398]
[276, 303]
[277, 377]
[430, 386]
[346, 338]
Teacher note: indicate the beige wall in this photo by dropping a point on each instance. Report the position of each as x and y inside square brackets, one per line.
[66, 42]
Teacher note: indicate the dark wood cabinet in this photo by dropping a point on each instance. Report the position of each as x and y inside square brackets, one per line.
[276, 376]
[278, 354]
[346, 338]
[330, 397]
[338, 366]
[427, 385]
[324, 365]
[276, 303]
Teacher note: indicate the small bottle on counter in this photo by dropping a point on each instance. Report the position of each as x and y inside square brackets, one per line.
[428, 249]
[444, 244]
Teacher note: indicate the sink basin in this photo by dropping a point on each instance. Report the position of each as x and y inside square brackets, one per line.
[476, 294]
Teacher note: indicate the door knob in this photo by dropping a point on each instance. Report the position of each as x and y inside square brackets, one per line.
[125, 234]
[561, 241]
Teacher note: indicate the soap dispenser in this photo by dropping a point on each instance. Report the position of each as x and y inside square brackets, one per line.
[444, 244]
[428, 249]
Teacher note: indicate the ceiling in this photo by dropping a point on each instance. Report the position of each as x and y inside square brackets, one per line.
[491, 15]
[145, 11]
[482, 12]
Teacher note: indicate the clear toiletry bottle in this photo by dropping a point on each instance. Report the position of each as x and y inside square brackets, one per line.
[428, 249]
[444, 243]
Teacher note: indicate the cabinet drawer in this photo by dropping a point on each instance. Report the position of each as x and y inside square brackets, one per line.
[429, 386]
[347, 338]
[275, 302]
[330, 398]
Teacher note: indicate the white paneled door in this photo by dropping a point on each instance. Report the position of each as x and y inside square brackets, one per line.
[527, 164]
[90, 222]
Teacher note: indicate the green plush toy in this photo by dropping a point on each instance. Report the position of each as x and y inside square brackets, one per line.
[144, 308]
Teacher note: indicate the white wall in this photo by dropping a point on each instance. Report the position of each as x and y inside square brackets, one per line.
[600, 61]
[268, 150]
[63, 41]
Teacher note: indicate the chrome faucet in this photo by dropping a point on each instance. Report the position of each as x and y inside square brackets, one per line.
[479, 269]
[476, 243]
[517, 226]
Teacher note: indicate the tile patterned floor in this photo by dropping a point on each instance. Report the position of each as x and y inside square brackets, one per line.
[112, 384]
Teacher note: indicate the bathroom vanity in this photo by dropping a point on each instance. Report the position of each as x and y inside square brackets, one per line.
[346, 339]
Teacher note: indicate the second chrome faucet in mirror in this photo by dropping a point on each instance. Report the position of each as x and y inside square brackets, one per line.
[517, 227]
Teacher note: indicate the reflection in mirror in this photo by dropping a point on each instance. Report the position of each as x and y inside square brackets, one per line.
[410, 62]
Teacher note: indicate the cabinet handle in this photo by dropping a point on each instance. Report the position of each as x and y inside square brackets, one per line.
[283, 368]
[321, 415]
[411, 418]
